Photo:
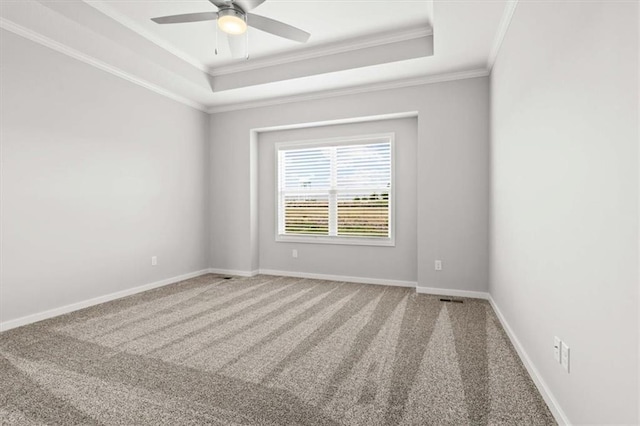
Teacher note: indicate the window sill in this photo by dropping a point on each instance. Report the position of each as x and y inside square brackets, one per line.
[348, 241]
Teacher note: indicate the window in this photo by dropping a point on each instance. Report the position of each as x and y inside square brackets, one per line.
[336, 191]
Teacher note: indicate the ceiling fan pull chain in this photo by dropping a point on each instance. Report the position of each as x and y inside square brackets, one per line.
[247, 39]
[216, 49]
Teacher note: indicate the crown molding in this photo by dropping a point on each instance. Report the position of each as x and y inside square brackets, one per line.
[326, 50]
[103, 7]
[397, 84]
[283, 59]
[90, 60]
[509, 10]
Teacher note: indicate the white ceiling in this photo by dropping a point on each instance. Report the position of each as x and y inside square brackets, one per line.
[326, 21]
[371, 43]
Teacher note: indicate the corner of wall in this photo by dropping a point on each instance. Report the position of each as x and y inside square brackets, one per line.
[638, 135]
[254, 232]
[209, 141]
[209, 134]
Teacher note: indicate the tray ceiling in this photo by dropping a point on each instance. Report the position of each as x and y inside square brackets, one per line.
[353, 45]
[327, 21]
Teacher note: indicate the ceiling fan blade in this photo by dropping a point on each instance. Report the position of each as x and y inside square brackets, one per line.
[221, 3]
[237, 45]
[248, 5]
[277, 28]
[188, 17]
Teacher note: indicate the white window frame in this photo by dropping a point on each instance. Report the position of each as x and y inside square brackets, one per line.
[329, 239]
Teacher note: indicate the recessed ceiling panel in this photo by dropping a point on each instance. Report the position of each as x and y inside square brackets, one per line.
[360, 41]
[327, 21]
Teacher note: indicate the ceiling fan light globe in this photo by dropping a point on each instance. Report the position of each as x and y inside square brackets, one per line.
[232, 22]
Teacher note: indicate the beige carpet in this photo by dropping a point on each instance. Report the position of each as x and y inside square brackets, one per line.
[268, 351]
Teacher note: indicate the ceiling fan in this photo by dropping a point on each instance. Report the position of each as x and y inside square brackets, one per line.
[233, 18]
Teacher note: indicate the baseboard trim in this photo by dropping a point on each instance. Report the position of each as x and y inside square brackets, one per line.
[359, 280]
[29, 319]
[236, 272]
[551, 401]
[453, 292]
[544, 390]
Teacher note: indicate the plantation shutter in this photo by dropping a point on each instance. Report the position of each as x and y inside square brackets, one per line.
[363, 188]
[305, 182]
[341, 190]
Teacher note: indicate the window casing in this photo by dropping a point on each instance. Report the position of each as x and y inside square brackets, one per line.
[336, 191]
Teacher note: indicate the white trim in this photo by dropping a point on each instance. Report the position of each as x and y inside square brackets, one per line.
[350, 120]
[309, 53]
[234, 272]
[338, 140]
[29, 319]
[544, 390]
[334, 239]
[359, 280]
[337, 239]
[103, 7]
[509, 10]
[90, 60]
[322, 51]
[396, 84]
[453, 292]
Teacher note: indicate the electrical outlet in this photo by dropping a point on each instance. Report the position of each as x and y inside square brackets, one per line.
[565, 356]
[556, 348]
[438, 265]
[294, 253]
[154, 260]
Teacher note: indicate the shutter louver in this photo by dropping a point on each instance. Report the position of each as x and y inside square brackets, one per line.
[341, 191]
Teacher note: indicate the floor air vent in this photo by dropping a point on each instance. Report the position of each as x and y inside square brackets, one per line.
[446, 299]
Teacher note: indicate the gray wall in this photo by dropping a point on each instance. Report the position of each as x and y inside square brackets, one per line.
[565, 199]
[98, 175]
[395, 263]
[452, 175]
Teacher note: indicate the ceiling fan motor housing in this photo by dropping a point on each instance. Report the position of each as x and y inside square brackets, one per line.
[234, 11]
